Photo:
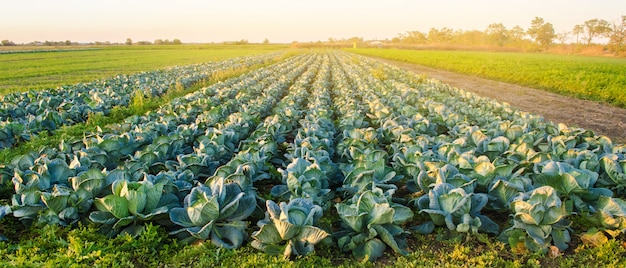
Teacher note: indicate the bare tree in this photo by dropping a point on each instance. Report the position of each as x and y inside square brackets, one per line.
[562, 37]
[578, 30]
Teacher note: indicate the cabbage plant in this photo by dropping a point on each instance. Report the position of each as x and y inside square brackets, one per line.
[504, 189]
[50, 192]
[371, 222]
[11, 134]
[289, 228]
[610, 214]
[539, 220]
[202, 165]
[456, 209]
[570, 182]
[431, 175]
[131, 205]
[369, 169]
[4, 210]
[58, 206]
[408, 159]
[491, 147]
[614, 171]
[215, 212]
[303, 179]
[65, 204]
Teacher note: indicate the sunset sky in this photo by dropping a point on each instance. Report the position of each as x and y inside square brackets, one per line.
[278, 20]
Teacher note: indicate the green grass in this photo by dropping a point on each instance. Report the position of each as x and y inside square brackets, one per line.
[54, 246]
[40, 70]
[594, 78]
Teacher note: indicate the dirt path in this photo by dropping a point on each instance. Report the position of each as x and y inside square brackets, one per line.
[602, 119]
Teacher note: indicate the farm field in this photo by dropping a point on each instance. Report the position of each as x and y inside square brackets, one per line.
[24, 115]
[593, 78]
[324, 153]
[38, 70]
[602, 118]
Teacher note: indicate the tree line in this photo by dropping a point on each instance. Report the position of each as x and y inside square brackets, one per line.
[99, 43]
[541, 33]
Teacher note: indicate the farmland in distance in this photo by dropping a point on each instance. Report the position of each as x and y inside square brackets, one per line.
[36, 69]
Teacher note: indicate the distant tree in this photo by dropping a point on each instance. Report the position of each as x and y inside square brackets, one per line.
[469, 38]
[497, 34]
[445, 35]
[177, 41]
[516, 34]
[617, 36]
[266, 41]
[158, 42]
[542, 32]
[578, 30]
[399, 39]
[562, 37]
[7, 43]
[129, 41]
[68, 42]
[595, 28]
[413, 37]
[355, 39]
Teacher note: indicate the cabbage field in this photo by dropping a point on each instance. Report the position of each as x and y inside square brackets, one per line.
[321, 149]
[23, 114]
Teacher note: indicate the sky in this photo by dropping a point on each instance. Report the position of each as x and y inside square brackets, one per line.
[280, 21]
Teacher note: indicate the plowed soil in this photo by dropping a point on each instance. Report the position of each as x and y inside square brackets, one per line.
[601, 118]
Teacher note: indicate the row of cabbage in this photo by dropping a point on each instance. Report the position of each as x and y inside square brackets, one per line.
[291, 227]
[160, 149]
[471, 157]
[23, 114]
[219, 207]
[372, 219]
[287, 143]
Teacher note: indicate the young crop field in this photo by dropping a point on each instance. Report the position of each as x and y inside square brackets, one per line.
[319, 158]
[594, 78]
[37, 69]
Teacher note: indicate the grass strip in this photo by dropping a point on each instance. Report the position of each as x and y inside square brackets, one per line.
[51, 246]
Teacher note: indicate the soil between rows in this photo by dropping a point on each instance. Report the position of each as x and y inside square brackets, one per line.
[601, 118]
